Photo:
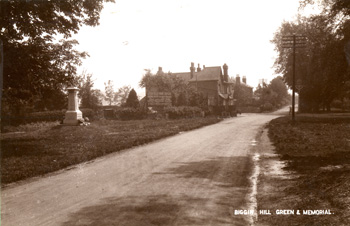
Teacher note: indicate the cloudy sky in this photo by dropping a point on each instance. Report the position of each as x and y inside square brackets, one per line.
[134, 35]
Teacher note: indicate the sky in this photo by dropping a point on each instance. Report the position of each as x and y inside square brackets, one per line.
[134, 35]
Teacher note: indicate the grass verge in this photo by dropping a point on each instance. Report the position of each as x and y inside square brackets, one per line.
[317, 152]
[52, 147]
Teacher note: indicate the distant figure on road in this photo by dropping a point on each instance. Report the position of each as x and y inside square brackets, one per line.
[290, 109]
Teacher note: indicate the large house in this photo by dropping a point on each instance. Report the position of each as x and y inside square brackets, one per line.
[215, 83]
[212, 82]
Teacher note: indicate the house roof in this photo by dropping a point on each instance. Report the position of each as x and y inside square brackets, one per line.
[183, 75]
[206, 74]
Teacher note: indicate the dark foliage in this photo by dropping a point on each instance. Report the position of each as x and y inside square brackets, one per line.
[130, 113]
[93, 99]
[90, 98]
[182, 112]
[132, 101]
[36, 67]
[322, 67]
[45, 116]
[273, 95]
[181, 100]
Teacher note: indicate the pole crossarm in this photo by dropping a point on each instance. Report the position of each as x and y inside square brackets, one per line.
[297, 36]
[300, 46]
[293, 41]
[297, 42]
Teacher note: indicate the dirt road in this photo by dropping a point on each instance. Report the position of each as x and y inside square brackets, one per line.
[194, 178]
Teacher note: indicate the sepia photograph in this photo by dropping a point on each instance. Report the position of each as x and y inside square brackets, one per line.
[175, 112]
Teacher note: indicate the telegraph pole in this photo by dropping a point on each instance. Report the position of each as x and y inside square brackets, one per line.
[293, 41]
[1, 70]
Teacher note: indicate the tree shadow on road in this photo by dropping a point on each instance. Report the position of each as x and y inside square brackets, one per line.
[151, 210]
[228, 176]
[225, 171]
[137, 210]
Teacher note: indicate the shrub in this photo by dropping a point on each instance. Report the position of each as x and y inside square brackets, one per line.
[182, 112]
[44, 116]
[337, 104]
[88, 112]
[30, 127]
[132, 100]
[267, 107]
[130, 113]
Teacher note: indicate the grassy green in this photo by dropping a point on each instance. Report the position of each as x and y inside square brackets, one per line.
[317, 151]
[49, 147]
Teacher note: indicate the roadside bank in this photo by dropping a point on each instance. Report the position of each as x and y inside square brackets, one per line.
[304, 173]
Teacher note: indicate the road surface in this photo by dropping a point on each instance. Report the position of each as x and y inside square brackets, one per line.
[199, 177]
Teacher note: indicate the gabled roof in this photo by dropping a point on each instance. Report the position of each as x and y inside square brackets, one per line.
[183, 75]
[206, 74]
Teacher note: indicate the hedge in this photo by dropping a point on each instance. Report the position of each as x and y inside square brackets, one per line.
[182, 112]
[42, 116]
[45, 116]
[130, 113]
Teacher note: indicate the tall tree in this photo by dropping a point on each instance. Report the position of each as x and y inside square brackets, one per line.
[275, 93]
[36, 66]
[132, 100]
[331, 8]
[278, 86]
[109, 92]
[90, 98]
[182, 99]
[121, 95]
[321, 66]
[163, 82]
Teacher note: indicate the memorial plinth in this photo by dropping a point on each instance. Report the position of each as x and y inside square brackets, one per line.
[73, 113]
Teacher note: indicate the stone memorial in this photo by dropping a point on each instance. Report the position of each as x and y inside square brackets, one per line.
[73, 114]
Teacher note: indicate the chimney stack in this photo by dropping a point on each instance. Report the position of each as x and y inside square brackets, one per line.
[238, 80]
[160, 71]
[198, 68]
[244, 79]
[225, 67]
[193, 69]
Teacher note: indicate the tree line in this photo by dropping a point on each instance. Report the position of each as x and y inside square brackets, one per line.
[268, 96]
[37, 68]
[323, 67]
[92, 98]
[273, 95]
